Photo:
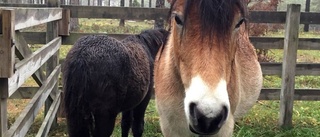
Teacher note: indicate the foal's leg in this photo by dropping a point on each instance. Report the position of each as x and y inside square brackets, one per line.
[126, 123]
[138, 115]
[104, 123]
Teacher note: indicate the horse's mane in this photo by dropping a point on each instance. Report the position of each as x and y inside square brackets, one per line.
[215, 15]
[153, 39]
[156, 36]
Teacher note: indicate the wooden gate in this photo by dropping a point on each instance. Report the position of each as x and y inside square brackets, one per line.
[18, 63]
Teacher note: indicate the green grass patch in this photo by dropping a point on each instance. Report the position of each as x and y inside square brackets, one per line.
[112, 26]
[261, 121]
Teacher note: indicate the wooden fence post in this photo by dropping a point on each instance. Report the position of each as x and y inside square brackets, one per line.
[7, 56]
[52, 32]
[64, 24]
[289, 65]
[4, 90]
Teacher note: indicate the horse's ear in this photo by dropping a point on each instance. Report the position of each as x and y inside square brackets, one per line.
[169, 1]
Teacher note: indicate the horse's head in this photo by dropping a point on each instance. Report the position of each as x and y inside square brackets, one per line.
[204, 36]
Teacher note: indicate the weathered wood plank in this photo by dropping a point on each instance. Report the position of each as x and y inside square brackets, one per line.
[28, 66]
[23, 51]
[277, 43]
[35, 37]
[312, 69]
[64, 24]
[280, 17]
[22, 5]
[3, 106]
[266, 94]
[258, 42]
[52, 33]
[299, 94]
[28, 17]
[289, 65]
[7, 51]
[267, 17]
[27, 116]
[24, 93]
[117, 12]
[48, 120]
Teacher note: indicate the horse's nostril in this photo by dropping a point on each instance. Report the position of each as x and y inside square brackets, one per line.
[194, 113]
[224, 115]
[202, 124]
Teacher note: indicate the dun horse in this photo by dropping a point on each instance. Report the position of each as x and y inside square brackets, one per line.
[103, 77]
[207, 75]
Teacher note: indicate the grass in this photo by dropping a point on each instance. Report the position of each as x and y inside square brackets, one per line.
[261, 121]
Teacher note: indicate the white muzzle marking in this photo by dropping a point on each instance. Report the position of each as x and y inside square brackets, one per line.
[209, 101]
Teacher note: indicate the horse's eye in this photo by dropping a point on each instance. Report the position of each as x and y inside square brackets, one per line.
[240, 22]
[178, 20]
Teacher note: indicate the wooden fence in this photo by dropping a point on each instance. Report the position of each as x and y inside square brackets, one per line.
[42, 65]
[259, 42]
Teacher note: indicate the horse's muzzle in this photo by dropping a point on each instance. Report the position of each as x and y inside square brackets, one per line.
[203, 125]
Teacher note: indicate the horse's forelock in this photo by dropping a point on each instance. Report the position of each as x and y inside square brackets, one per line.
[216, 16]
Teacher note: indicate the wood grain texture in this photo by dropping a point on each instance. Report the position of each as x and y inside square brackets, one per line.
[49, 118]
[23, 51]
[7, 51]
[28, 17]
[289, 64]
[27, 116]
[26, 67]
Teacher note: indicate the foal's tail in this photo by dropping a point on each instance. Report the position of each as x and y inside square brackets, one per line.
[76, 104]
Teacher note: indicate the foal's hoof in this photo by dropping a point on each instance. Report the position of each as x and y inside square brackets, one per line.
[202, 125]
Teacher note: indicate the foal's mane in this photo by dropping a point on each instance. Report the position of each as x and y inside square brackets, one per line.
[216, 16]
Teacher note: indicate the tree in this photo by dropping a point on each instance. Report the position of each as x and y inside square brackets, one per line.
[159, 23]
[121, 24]
[99, 3]
[306, 26]
[74, 22]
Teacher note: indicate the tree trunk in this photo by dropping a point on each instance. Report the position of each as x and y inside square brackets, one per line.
[99, 2]
[142, 3]
[63, 2]
[74, 22]
[306, 26]
[150, 3]
[159, 23]
[121, 24]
